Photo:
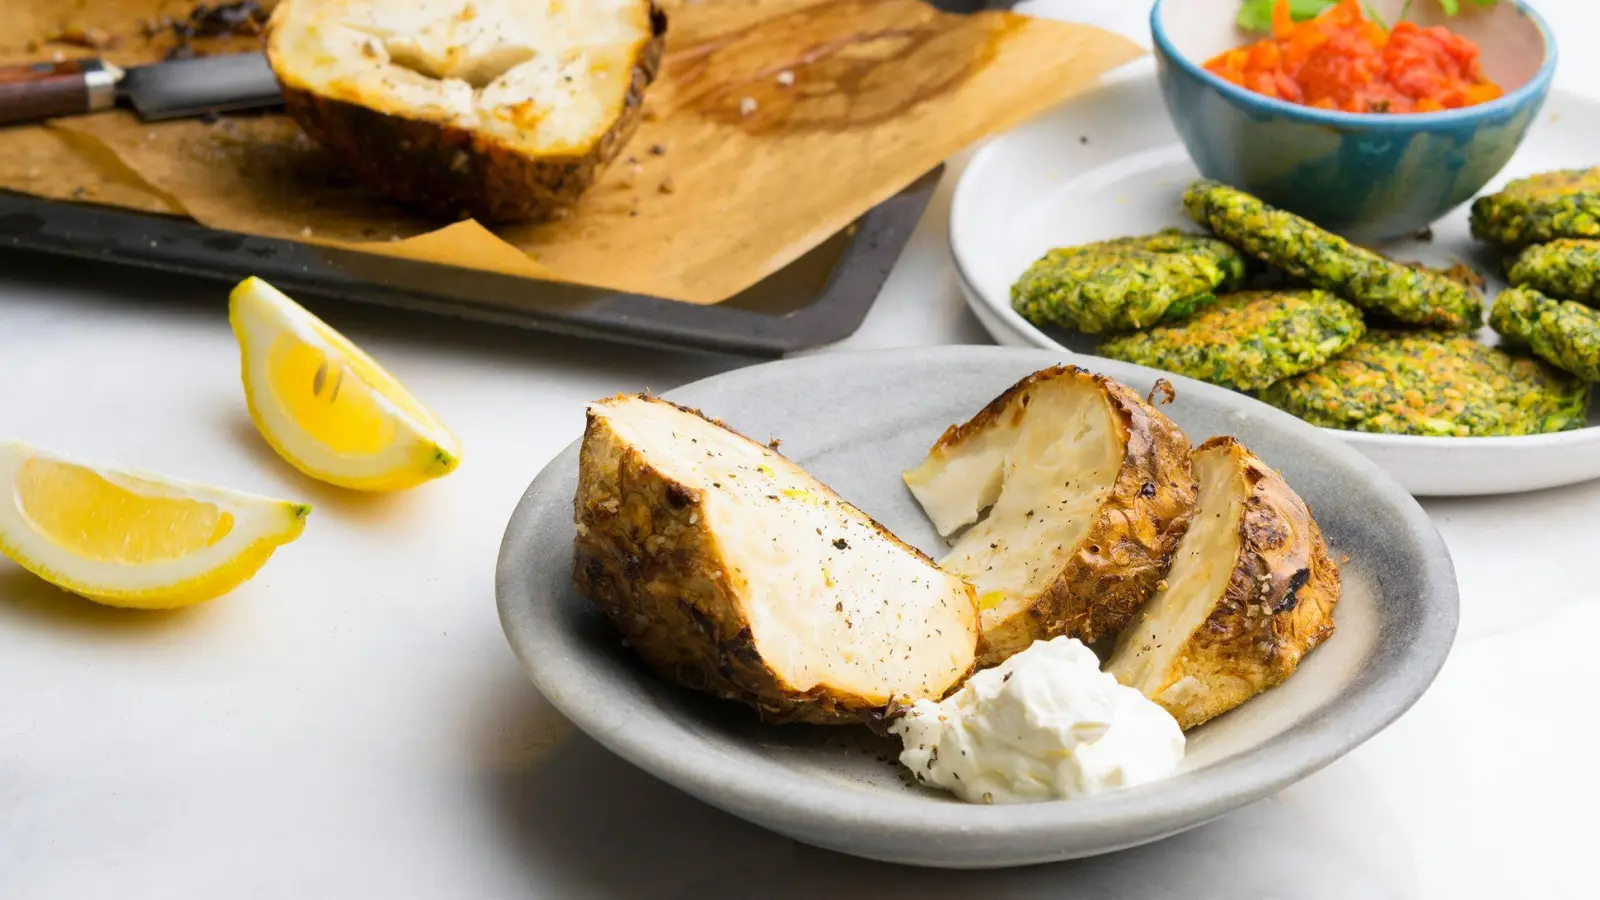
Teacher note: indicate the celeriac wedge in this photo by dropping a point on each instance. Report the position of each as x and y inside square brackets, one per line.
[730, 570]
[1251, 593]
[1087, 490]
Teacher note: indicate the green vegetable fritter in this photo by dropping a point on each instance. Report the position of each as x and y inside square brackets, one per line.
[1420, 298]
[1539, 209]
[1436, 385]
[1459, 272]
[1560, 332]
[1127, 283]
[1568, 269]
[1247, 340]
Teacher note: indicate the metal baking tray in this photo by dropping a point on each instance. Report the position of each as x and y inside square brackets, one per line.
[820, 298]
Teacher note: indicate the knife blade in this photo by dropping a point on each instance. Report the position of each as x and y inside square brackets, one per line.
[166, 90]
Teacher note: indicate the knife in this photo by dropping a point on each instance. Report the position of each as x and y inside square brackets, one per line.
[165, 90]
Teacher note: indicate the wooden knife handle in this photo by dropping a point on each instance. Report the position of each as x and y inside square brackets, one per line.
[31, 93]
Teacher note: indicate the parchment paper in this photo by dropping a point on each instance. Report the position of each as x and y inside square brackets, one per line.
[775, 123]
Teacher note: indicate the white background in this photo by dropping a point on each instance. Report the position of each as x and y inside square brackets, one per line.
[352, 724]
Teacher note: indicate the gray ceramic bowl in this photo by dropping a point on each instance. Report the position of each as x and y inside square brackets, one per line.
[857, 420]
[1371, 178]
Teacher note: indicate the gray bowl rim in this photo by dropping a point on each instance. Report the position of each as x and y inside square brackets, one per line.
[1536, 87]
[755, 789]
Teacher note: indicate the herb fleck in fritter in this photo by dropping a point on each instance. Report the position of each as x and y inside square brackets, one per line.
[1247, 340]
[1435, 385]
[1566, 269]
[1127, 283]
[1560, 332]
[1300, 248]
[1459, 272]
[1541, 208]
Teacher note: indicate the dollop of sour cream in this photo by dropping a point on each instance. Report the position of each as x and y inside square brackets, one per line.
[1045, 724]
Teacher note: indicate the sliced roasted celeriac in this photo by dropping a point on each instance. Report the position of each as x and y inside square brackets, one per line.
[1251, 592]
[327, 407]
[1087, 490]
[126, 537]
[497, 109]
[730, 570]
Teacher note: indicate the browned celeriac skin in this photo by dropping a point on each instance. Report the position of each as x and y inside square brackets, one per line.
[449, 171]
[1277, 605]
[645, 554]
[1128, 548]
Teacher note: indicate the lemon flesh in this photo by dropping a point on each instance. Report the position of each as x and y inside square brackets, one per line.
[325, 406]
[125, 537]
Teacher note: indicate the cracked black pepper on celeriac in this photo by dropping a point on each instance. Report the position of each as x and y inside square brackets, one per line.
[1301, 249]
[1127, 283]
[1540, 209]
[1560, 332]
[1248, 340]
[1434, 385]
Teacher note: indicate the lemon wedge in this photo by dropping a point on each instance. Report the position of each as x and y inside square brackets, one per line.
[125, 537]
[327, 407]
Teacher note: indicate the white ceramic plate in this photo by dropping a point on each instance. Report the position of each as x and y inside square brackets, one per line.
[1110, 164]
[856, 420]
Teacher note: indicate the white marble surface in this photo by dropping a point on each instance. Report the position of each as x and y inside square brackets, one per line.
[352, 724]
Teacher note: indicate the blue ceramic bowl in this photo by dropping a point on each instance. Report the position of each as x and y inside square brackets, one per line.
[1370, 177]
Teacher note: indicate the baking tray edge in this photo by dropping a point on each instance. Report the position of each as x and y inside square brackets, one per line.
[181, 245]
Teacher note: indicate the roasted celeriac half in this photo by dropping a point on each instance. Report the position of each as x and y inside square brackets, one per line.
[730, 570]
[497, 109]
[1087, 489]
[1251, 592]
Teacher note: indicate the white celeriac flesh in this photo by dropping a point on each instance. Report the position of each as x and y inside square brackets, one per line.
[546, 76]
[1042, 484]
[1149, 650]
[831, 600]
